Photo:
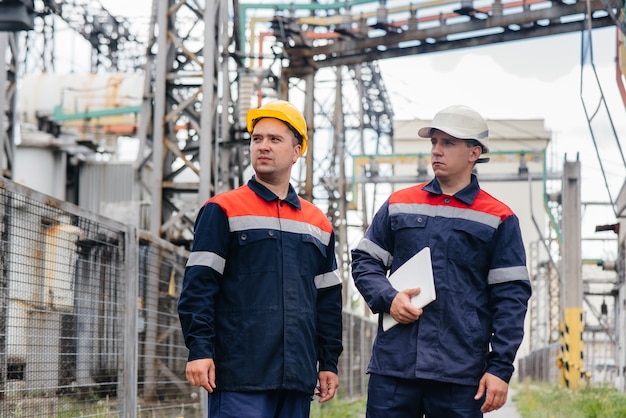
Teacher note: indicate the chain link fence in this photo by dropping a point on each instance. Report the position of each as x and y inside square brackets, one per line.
[541, 365]
[88, 321]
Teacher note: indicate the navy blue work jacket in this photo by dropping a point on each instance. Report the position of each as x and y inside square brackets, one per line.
[476, 324]
[261, 294]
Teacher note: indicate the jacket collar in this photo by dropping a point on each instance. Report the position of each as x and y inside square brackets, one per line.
[466, 195]
[269, 196]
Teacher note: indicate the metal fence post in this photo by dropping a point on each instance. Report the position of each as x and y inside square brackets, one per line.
[130, 357]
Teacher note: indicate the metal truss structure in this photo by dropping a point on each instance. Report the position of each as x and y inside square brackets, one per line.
[8, 86]
[207, 63]
[114, 46]
[205, 67]
[201, 78]
[211, 77]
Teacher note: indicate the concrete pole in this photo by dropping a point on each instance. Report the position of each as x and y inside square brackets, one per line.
[158, 120]
[572, 254]
[572, 325]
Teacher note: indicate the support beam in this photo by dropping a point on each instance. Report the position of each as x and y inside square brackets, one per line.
[8, 119]
[571, 360]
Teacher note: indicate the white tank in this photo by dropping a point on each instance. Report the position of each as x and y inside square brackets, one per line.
[80, 99]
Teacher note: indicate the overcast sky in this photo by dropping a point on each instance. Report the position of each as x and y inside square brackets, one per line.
[537, 79]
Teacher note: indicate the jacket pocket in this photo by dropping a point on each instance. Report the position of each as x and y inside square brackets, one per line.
[409, 237]
[257, 250]
[470, 244]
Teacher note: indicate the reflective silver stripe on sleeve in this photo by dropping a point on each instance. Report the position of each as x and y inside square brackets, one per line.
[208, 259]
[244, 223]
[375, 251]
[445, 212]
[327, 279]
[507, 274]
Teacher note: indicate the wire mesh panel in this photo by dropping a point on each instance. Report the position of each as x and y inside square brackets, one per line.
[541, 365]
[163, 389]
[88, 317]
[358, 338]
[61, 294]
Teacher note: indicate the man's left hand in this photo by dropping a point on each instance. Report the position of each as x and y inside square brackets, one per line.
[329, 382]
[497, 390]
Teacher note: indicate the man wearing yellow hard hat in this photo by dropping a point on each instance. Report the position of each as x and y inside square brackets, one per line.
[283, 111]
[454, 356]
[261, 306]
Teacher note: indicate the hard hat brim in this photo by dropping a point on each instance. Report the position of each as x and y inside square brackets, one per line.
[461, 122]
[255, 114]
[426, 132]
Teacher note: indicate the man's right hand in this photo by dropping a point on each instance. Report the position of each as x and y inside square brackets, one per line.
[201, 373]
[402, 310]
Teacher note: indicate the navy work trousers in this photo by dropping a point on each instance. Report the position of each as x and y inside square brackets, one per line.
[264, 404]
[391, 397]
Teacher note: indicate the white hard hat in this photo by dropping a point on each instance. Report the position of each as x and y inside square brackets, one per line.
[461, 122]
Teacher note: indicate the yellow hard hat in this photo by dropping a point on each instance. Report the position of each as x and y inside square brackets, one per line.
[281, 110]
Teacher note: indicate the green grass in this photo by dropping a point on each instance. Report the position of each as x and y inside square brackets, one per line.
[338, 408]
[541, 400]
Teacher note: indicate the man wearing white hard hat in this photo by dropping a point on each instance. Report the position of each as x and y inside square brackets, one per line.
[454, 356]
[261, 307]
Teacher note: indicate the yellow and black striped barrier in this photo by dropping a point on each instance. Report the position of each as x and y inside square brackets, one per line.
[570, 361]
